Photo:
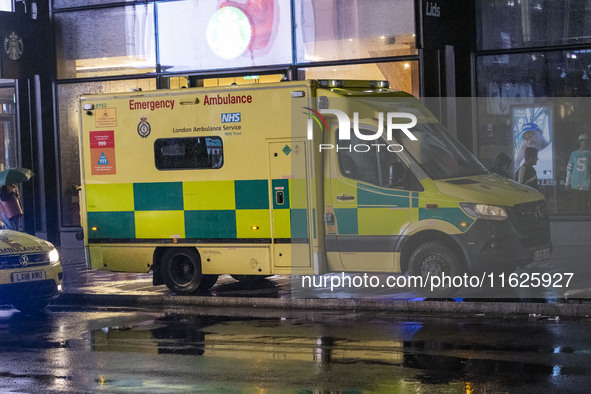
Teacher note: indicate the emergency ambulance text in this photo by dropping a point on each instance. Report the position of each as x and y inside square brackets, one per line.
[151, 105]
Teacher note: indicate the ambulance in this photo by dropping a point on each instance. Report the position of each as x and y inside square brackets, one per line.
[293, 178]
[30, 271]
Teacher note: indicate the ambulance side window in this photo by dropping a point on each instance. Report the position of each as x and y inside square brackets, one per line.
[358, 162]
[188, 153]
[375, 162]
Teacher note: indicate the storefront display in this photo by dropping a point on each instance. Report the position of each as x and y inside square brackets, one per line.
[534, 97]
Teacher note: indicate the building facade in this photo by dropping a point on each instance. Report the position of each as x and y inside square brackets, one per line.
[427, 48]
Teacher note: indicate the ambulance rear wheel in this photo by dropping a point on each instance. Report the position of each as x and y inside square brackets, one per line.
[181, 270]
[432, 259]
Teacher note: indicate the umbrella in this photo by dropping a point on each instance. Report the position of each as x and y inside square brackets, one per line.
[15, 175]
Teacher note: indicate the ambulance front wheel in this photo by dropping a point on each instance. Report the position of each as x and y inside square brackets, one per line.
[207, 282]
[431, 261]
[181, 270]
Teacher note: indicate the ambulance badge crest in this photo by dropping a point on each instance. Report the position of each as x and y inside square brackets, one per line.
[143, 127]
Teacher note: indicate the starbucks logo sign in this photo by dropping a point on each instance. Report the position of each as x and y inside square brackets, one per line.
[13, 46]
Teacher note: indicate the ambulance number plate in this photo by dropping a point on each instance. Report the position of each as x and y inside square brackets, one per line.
[28, 276]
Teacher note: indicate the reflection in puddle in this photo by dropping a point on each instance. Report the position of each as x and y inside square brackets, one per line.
[396, 355]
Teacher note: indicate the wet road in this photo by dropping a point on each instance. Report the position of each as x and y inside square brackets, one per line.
[201, 351]
[572, 259]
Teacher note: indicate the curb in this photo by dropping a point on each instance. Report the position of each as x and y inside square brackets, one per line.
[531, 309]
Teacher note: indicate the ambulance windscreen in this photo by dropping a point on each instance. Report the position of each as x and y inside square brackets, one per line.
[438, 153]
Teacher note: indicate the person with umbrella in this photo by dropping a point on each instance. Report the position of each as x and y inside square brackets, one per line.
[12, 209]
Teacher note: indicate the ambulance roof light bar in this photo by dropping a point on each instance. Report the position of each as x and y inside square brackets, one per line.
[331, 83]
[379, 84]
[340, 83]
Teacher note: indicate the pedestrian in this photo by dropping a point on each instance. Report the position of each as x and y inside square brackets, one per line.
[578, 176]
[11, 206]
[501, 165]
[526, 174]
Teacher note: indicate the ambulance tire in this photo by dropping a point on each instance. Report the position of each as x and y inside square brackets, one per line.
[249, 278]
[181, 270]
[207, 282]
[432, 259]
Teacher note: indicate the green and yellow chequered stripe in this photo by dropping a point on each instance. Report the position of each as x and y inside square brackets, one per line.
[377, 211]
[196, 210]
[229, 210]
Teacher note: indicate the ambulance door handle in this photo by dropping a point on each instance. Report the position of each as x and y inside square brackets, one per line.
[345, 197]
[279, 198]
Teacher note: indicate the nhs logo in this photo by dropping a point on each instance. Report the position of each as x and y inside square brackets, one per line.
[233, 117]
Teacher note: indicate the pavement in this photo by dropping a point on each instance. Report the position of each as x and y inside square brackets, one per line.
[97, 288]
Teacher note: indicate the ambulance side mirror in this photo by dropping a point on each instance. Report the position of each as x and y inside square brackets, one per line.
[398, 175]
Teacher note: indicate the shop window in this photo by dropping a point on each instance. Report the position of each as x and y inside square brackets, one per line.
[403, 75]
[537, 99]
[8, 134]
[69, 126]
[188, 153]
[209, 35]
[521, 24]
[245, 80]
[57, 4]
[328, 30]
[105, 42]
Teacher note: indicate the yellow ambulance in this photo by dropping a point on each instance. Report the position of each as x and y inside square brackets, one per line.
[30, 271]
[303, 177]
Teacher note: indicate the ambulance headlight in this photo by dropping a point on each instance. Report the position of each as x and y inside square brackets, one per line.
[483, 211]
[54, 256]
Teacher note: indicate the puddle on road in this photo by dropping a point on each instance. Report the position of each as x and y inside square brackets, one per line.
[327, 348]
[312, 353]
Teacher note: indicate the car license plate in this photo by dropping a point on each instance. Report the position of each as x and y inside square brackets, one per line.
[28, 276]
[542, 254]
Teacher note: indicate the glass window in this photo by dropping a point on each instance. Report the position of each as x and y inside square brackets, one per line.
[209, 35]
[373, 162]
[527, 23]
[102, 42]
[6, 5]
[245, 80]
[353, 29]
[69, 126]
[402, 75]
[8, 135]
[439, 154]
[359, 165]
[82, 3]
[537, 99]
[188, 153]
